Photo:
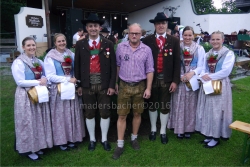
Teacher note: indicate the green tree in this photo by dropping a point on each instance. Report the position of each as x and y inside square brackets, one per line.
[204, 6]
[8, 9]
[229, 7]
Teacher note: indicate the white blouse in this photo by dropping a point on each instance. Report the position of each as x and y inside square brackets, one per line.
[226, 69]
[18, 72]
[50, 71]
[200, 63]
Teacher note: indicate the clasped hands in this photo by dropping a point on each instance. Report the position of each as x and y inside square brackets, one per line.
[43, 81]
[187, 76]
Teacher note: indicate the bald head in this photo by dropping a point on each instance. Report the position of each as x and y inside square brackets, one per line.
[135, 32]
[135, 25]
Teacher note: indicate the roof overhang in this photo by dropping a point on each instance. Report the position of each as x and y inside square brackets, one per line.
[109, 6]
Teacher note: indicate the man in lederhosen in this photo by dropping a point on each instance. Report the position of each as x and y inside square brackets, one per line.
[95, 67]
[166, 52]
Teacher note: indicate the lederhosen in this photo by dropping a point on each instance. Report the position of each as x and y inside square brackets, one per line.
[160, 97]
[94, 97]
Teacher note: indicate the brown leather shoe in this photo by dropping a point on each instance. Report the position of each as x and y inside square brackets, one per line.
[118, 152]
[135, 144]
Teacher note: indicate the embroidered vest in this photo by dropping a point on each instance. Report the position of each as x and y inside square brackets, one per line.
[216, 65]
[95, 66]
[31, 73]
[63, 68]
[160, 56]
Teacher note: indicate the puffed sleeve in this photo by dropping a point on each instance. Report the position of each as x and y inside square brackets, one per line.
[50, 71]
[226, 68]
[18, 72]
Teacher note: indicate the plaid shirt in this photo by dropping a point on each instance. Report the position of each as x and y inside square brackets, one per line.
[134, 66]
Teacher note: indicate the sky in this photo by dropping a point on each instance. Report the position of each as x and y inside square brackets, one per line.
[217, 3]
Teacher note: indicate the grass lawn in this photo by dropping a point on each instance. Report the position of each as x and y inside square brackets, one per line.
[186, 152]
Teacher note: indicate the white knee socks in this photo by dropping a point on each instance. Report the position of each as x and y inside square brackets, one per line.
[91, 128]
[164, 121]
[153, 119]
[104, 127]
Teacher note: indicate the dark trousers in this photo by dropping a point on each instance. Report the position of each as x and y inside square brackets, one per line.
[160, 96]
[95, 99]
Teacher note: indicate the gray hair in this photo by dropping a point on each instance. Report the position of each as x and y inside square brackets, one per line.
[134, 24]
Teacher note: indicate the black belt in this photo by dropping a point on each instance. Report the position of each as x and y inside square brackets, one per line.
[132, 83]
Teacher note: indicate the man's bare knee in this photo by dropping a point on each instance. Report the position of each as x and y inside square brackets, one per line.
[122, 118]
[137, 115]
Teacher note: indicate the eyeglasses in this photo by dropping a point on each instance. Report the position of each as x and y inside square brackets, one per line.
[134, 33]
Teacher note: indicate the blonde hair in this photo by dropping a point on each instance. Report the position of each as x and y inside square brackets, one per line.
[125, 32]
[58, 35]
[219, 32]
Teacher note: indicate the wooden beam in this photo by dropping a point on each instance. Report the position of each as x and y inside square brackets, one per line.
[47, 13]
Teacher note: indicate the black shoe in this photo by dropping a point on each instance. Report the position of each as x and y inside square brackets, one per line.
[38, 159]
[40, 152]
[135, 144]
[106, 146]
[164, 139]
[91, 146]
[118, 152]
[152, 136]
[203, 142]
[187, 136]
[180, 136]
[67, 148]
[72, 147]
[207, 146]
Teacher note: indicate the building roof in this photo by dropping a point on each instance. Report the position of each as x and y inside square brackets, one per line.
[119, 6]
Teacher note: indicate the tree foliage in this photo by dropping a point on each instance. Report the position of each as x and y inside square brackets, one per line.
[206, 7]
[229, 7]
[8, 9]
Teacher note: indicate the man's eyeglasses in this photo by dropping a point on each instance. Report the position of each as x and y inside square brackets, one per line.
[134, 33]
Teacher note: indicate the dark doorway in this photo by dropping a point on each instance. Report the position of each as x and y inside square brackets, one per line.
[119, 24]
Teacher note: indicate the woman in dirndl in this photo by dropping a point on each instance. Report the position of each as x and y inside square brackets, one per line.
[184, 99]
[214, 111]
[32, 120]
[66, 115]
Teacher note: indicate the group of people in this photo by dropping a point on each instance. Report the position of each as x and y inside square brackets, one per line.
[81, 33]
[157, 69]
